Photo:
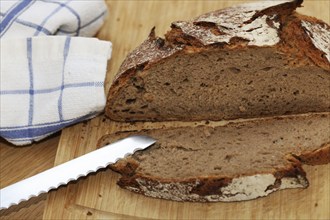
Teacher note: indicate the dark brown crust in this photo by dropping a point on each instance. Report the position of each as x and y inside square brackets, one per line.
[294, 42]
[302, 47]
[203, 187]
[210, 186]
[149, 52]
[317, 157]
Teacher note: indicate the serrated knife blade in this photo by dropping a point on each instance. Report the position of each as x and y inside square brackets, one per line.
[71, 170]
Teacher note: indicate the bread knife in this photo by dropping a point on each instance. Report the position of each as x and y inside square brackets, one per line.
[71, 170]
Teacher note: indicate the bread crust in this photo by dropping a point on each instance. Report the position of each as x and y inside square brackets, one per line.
[213, 188]
[220, 188]
[317, 157]
[263, 24]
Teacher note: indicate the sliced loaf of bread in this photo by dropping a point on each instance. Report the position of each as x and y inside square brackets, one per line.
[253, 60]
[238, 161]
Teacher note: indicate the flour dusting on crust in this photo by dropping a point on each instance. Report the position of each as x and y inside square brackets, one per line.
[236, 22]
[240, 189]
[319, 34]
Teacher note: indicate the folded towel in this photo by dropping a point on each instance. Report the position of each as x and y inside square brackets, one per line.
[50, 82]
[44, 89]
[26, 18]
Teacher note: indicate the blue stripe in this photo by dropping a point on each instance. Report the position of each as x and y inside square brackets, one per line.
[65, 56]
[35, 132]
[50, 15]
[85, 25]
[42, 124]
[35, 26]
[55, 89]
[13, 14]
[78, 19]
[30, 24]
[13, 5]
[29, 56]
[8, 15]
[71, 10]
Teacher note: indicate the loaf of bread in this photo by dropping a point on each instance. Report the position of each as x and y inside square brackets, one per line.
[238, 161]
[253, 60]
[261, 62]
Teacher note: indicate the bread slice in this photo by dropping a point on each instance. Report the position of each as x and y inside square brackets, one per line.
[238, 161]
[253, 60]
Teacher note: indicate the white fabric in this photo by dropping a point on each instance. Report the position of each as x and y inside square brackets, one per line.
[26, 18]
[50, 82]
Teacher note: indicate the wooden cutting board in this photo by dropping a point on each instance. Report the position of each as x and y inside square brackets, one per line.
[98, 197]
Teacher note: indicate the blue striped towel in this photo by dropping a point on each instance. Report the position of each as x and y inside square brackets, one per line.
[26, 18]
[50, 82]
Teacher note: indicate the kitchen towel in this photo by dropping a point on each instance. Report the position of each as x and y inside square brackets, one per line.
[27, 18]
[50, 82]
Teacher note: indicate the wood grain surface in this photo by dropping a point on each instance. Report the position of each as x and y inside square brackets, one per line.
[97, 196]
[17, 163]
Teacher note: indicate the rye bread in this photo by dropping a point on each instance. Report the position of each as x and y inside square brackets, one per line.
[235, 162]
[254, 60]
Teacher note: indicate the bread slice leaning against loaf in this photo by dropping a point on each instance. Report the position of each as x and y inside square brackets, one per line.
[253, 60]
[235, 162]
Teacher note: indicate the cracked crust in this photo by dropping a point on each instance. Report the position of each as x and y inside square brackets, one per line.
[216, 190]
[304, 40]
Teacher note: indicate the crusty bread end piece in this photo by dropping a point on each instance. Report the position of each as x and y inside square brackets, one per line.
[235, 162]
